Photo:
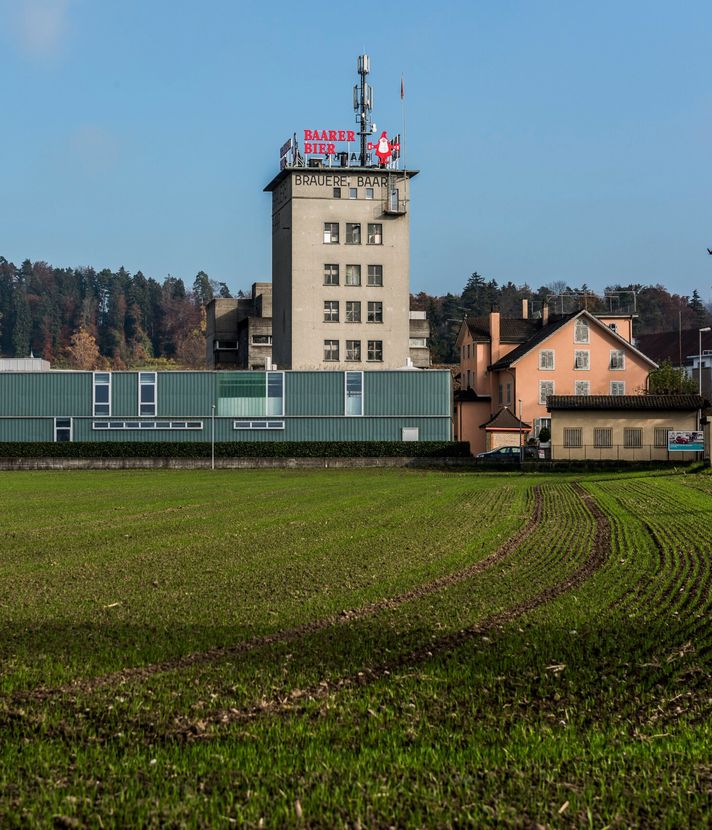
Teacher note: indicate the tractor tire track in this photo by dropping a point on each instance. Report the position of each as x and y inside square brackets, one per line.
[297, 700]
[139, 673]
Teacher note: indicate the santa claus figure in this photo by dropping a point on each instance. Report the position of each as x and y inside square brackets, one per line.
[383, 149]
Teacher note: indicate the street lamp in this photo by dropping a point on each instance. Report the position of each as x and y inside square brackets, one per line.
[699, 363]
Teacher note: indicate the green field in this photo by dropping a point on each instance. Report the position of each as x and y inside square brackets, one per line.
[355, 649]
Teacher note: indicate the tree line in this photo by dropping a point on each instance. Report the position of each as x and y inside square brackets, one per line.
[83, 318]
[89, 319]
[657, 309]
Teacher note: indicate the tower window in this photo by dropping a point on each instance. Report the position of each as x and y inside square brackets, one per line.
[353, 233]
[375, 312]
[331, 274]
[331, 233]
[353, 275]
[375, 275]
[375, 233]
[331, 311]
[353, 311]
[375, 350]
[331, 350]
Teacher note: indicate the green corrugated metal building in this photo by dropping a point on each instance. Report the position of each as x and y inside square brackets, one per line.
[240, 406]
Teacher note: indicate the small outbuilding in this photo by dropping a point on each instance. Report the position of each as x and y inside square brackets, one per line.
[627, 427]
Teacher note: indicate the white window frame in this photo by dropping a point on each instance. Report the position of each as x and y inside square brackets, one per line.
[369, 193]
[70, 427]
[617, 352]
[355, 307]
[331, 308]
[617, 383]
[354, 359]
[280, 374]
[350, 231]
[268, 342]
[159, 424]
[584, 383]
[331, 341]
[356, 272]
[353, 193]
[582, 352]
[418, 342]
[375, 281]
[331, 273]
[583, 323]
[368, 350]
[544, 368]
[347, 414]
[153, 414]
[371, 312]
[377, 236]
[329, 238]
[542, 397]
[261, 424]
[410, 433]
[93, 395]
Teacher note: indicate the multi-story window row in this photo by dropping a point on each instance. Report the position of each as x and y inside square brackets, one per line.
[353, 351]
[374, 233]
[353, 275]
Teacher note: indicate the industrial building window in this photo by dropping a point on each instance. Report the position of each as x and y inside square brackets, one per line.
[353, 233]
[410, 433]
[375, 233]
[142, 425]
[581, 331]
[331, 311]
[581, 359]
[661, 437]
[331, 274]
[602, 437]
[418, 342]
[353, 390]
[617, 359]
[261, 339]
[369, 193]
[375, 350]
[353, 311]
[546, 359]
[581, 387]
[250, 394]
[353, 350]
[617, 387]
[337, 193]
[375, 275]
[546, 388]
[331, 350]
[258, 425]
[353, 193]
[62, 429]
[331, 233]
[225, 345]
[572, 437]
[353, 275]
[102, 393]
[147, 402]
[375, 311]
[633, 437]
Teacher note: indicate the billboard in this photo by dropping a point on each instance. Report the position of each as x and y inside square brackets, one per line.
[685, 441]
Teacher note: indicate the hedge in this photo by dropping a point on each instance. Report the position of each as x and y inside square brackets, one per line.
[234, 449]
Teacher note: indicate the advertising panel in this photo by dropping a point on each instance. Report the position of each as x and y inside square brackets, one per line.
[685, 441]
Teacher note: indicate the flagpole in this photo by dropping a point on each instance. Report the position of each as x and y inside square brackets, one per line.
[402, 154]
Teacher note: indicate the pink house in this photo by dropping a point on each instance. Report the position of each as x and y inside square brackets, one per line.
[507, 360]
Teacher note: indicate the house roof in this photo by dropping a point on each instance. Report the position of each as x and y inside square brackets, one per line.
[540, 334]
[677, 403]
[546, 331]
[505, 419]
[673, 345]
[466, 395]
[511, 329]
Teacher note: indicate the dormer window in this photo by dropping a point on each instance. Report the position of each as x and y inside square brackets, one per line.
[581, 331]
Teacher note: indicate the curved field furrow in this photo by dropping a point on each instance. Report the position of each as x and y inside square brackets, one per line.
[599, 552]
[139, 673]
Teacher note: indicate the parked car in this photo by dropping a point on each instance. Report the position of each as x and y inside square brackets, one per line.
[507, 454]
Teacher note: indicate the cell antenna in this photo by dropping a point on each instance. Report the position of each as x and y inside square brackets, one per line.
[363, 104]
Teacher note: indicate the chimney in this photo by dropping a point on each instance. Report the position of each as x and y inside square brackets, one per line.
[494, 335]
[545, 313]
[525, 309]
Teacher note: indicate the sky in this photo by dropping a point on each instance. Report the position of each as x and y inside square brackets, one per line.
[556, 140]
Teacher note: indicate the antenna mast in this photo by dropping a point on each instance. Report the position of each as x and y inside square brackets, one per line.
[363, 104]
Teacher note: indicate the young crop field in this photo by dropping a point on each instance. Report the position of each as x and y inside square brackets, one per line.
[355, 649]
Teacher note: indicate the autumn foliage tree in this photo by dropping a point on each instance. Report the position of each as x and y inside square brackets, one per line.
[83, 350]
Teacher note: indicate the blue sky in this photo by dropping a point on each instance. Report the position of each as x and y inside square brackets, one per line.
[556, 140]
